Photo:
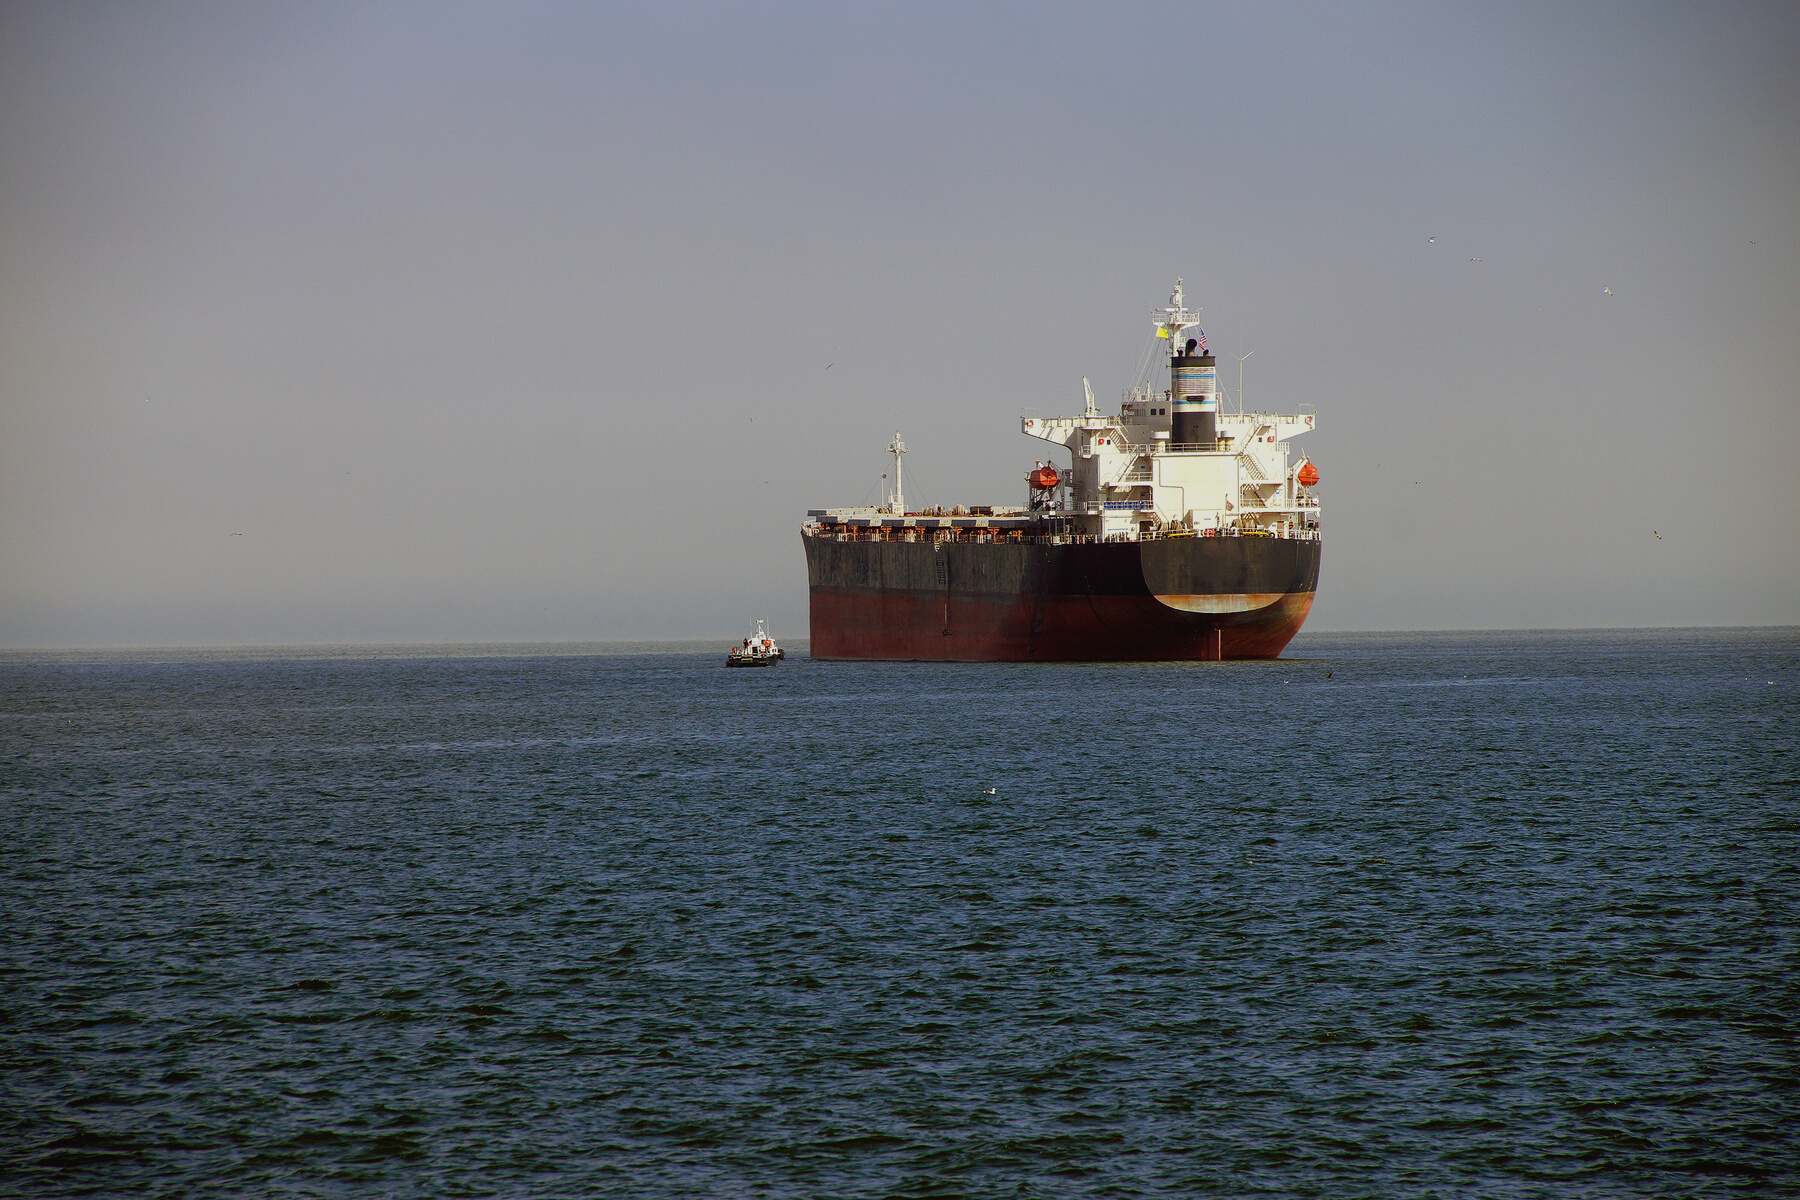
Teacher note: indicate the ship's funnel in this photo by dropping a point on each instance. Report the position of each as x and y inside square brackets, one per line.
[1194, 400]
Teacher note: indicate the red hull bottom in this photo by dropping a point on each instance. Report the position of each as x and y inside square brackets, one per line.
[924, 627]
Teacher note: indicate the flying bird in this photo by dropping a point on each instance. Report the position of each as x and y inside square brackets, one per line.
[1474, 260]
[831, 364]
[1606, 291]
[1431, 239]
[1658, 535]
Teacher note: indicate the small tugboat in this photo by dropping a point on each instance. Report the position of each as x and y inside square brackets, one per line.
[758, 651]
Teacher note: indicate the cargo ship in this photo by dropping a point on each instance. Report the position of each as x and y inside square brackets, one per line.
[1176, 531]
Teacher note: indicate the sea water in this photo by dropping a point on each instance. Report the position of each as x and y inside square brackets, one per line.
[1481, 914]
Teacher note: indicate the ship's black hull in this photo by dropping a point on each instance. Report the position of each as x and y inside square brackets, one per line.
[1165, 599]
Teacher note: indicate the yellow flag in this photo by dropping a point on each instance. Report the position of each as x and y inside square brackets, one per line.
[1161, 332]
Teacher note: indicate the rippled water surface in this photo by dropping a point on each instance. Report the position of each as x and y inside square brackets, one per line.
[1404, 915]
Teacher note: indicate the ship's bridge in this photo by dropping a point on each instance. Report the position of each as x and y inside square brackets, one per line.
[1128, 476]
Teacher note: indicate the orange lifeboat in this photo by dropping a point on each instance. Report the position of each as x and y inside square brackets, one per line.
[1043, 478]
[1308, 475]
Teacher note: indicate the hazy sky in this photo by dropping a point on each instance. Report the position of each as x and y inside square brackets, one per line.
[414, 322]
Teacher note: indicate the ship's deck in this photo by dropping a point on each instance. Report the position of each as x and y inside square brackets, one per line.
[1035, 530]
[1002, 520]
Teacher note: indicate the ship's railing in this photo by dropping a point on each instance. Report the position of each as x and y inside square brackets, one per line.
[1154, 535]
[1128, 505]
[1019, 537]
[1124, 445]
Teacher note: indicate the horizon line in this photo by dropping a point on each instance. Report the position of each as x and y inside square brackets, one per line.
[693, 639]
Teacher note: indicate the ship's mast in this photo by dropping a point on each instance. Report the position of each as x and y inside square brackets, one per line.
[1193, 377]
[898, 501]
[1241, 358]
[1175, 320]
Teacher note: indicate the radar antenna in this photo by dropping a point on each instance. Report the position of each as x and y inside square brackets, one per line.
[1172, 321]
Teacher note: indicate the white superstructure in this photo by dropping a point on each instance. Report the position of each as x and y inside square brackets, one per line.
[1130, 478]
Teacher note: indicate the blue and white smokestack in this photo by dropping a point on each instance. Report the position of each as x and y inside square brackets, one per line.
[1194, 397]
